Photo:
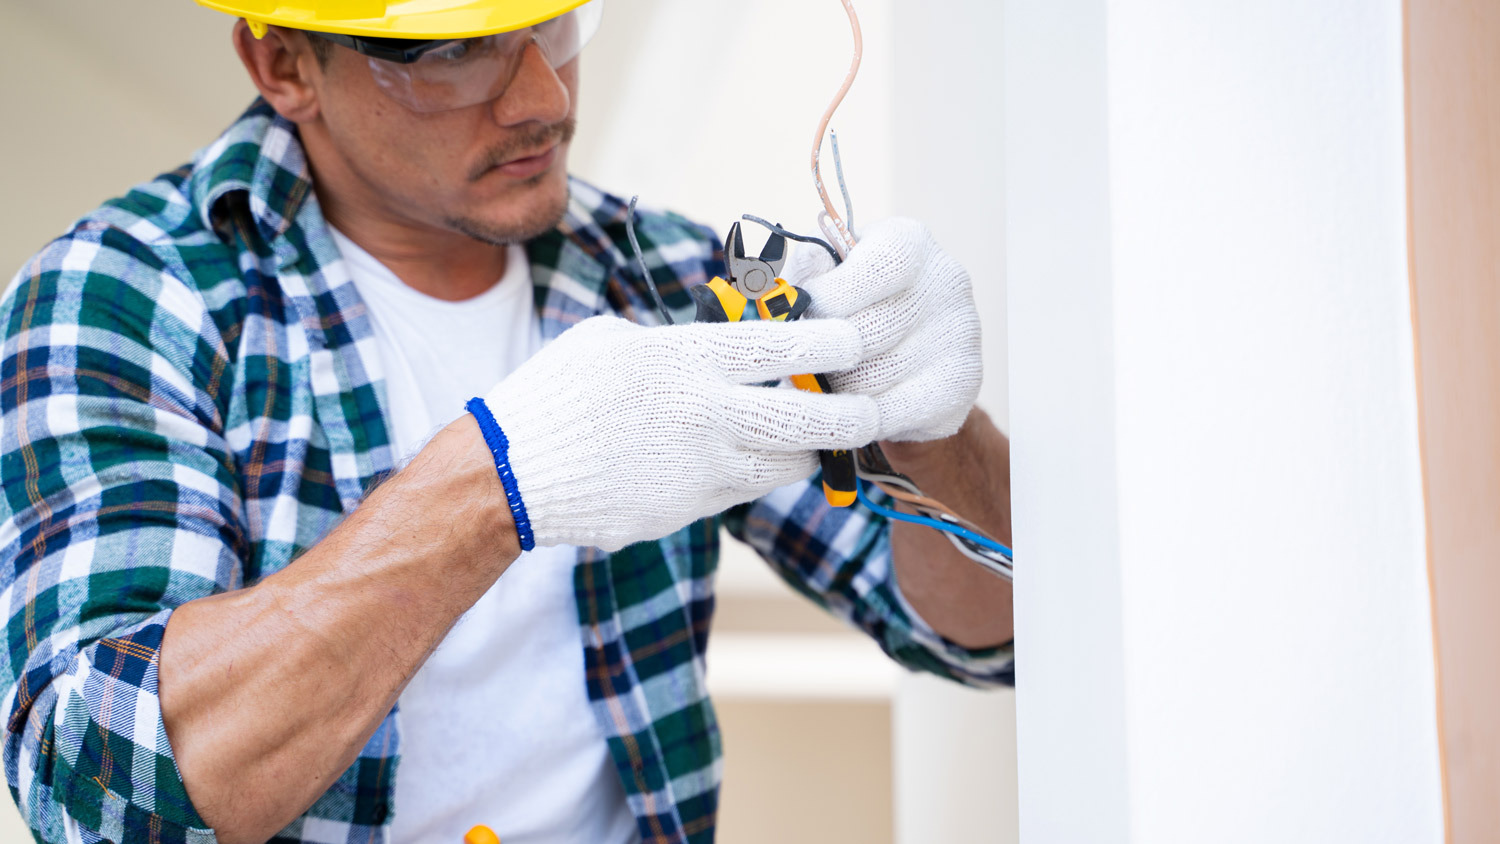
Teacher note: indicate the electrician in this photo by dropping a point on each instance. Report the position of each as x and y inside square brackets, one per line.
[257, 551]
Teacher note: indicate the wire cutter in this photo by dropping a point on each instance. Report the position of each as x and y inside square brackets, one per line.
[759, 280]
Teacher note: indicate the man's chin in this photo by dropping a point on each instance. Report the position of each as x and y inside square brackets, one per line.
[545, 207]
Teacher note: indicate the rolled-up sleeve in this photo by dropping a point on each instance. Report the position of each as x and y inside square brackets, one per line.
[841, 559]
[119, 505]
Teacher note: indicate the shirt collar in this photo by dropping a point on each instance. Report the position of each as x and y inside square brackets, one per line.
[260, 160]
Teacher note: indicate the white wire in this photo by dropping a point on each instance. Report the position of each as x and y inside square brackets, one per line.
[997, 564]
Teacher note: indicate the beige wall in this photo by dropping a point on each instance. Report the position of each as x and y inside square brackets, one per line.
[100, 95]
[1454, 147]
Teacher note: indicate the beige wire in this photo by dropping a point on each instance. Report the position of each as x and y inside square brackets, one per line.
[846, 238]
[931, 505]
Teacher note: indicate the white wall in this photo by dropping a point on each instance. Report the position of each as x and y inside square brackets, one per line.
[1070, 708]
[955, 749]
[1218, 488]
[709, 108]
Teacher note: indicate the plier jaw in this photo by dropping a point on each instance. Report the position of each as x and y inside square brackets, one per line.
[749, 280]
[754, 278]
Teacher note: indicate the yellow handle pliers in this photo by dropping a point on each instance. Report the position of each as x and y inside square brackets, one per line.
[759, 280]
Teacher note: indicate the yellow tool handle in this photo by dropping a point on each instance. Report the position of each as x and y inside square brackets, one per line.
[783, 304]
[718, 301]
[840, 477]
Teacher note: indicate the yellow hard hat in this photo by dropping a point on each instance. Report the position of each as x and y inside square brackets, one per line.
[405, 19]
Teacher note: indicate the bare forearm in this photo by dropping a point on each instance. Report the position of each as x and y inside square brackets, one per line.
[268, 693]
[969, 472]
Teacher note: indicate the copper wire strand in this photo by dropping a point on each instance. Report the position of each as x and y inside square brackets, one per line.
[846, 239]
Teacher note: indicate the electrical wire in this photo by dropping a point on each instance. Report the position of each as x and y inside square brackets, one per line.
[997, 564]
[875, 468]
[1001, 567]
[844, 239]
[661, 305]
[801, 238]
[828, 225]
[917, 500]
[973, 551]
[838, 170]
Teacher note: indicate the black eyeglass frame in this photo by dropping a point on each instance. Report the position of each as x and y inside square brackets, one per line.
[396, 50]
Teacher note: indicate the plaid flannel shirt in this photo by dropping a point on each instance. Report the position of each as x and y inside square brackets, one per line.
[191, 399]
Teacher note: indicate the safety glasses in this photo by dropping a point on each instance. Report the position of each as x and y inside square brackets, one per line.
[429, 76]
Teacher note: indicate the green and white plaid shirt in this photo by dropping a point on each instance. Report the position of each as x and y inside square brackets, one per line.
[190, 400]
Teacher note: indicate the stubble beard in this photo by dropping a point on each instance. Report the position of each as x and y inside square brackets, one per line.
[541, 220]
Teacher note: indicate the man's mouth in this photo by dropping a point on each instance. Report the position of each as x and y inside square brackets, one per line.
[528, 166]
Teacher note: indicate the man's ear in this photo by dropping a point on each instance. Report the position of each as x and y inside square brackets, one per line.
[282, 67]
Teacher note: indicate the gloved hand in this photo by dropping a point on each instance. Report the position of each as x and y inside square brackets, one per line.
[620, 433]
[919, 330]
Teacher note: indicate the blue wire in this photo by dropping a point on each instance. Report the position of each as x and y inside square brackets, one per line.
[956, 530]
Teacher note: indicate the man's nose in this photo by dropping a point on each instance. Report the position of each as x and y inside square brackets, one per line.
[537, 93]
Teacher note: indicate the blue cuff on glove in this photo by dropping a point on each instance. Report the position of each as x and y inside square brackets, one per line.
[500, 448]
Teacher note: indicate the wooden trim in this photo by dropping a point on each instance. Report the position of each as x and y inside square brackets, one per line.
[1453, 194]
[1416, 334]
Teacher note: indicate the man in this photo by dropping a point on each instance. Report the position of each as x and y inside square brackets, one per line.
[214, 610]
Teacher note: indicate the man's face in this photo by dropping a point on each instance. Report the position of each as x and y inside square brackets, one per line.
[495, 171]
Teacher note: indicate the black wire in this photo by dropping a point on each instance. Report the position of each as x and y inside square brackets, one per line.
[641, 259]
[802, 238]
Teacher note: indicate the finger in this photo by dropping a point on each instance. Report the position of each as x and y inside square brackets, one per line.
[880, 373]
[752, 352]
[886, 261]
[604, 324]
[931, 404]
[897, 341]
[789, 420]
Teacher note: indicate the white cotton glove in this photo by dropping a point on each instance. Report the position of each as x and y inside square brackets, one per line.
[620, 433]
[913, 305]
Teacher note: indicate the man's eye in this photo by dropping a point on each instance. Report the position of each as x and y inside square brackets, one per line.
[456, 51]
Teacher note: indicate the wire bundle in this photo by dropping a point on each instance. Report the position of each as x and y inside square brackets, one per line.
[967, 537]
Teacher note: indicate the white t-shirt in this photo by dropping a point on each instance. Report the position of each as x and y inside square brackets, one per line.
[496, 727]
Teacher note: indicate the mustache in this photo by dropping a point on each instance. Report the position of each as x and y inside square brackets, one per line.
[541, 137]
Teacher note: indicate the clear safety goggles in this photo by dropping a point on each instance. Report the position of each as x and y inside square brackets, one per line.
[428, 76]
